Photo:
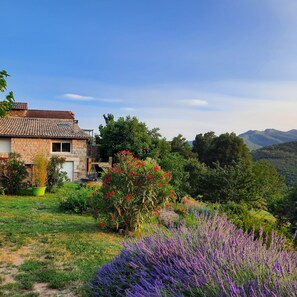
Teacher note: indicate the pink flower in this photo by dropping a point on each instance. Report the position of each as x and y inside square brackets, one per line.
[156, 168]
[127, 198]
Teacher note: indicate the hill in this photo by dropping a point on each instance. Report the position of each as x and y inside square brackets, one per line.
[255, 139]
[283, 157]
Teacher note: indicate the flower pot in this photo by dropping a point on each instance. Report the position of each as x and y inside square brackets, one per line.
[38, 191]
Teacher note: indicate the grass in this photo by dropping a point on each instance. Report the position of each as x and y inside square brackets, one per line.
[39, 244]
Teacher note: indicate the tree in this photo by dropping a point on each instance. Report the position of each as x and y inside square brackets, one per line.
[285, 210]
[224, 149]
[180, 145]
[55, 175]
[175, 163]
[6, 104]
[269, 183]
[202, 143]
[223, 184]
[132, 135]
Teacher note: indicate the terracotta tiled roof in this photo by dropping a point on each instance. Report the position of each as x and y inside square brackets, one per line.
[54, 114]
[40, 128]
[43, 114]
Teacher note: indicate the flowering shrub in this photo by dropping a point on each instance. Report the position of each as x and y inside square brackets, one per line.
[131, 190]
[212, 258]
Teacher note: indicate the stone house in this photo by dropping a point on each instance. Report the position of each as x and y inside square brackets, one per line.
[28, 131]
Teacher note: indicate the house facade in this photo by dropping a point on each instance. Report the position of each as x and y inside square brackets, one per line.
[50, 132]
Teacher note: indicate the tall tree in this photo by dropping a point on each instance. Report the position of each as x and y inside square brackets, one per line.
[6, 103]
[202, 143]
[132, 135]
[224, 149]
[180, 145]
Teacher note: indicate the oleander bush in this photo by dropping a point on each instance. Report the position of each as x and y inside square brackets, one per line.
[130, 192]
[211, 258]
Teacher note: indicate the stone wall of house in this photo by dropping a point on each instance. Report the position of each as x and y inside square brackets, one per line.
[29, 147]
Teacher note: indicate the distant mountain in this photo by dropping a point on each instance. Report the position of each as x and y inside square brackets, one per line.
[283, 157]
[256, 139]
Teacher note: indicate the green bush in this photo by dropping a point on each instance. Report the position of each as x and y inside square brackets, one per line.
[253, 221]
[55, 175]
[77, 201]
[12, 173]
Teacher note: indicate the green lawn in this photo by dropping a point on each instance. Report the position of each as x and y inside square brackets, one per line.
[44, 250]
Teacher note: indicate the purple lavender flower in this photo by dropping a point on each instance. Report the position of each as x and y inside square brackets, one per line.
[213, 258]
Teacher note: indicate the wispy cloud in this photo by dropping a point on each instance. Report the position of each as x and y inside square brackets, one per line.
[111, 100]
[194, 102]
[128, 108]
[77, 97]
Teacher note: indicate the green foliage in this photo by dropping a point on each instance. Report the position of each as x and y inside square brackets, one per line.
[55, 175]
[175, 163]
[132, 135]
[180, 145]
[6, 104]
[250, 221]
[285, 210]
[77, 201]
[131, 190]
[283, 158]
[224, 149]
[256, 184]
[202, 145]
[269, 184]
[12, 173]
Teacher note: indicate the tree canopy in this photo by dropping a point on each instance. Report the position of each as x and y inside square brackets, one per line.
[224, 149]
[6, 103]
[132, 135]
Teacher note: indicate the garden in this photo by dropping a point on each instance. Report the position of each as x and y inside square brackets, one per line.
[132, 236]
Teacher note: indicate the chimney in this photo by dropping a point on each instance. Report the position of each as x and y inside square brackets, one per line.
[75, 126]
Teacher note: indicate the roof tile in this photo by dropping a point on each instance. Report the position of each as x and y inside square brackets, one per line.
[36, 128]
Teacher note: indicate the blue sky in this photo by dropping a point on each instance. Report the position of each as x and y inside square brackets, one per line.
[186, 66]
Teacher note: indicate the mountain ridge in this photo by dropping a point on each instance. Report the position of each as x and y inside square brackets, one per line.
[256, 139]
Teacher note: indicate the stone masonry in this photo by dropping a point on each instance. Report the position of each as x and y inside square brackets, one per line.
[29, 147]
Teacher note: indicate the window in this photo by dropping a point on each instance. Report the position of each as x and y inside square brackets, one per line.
[5, 145]
[58, 147]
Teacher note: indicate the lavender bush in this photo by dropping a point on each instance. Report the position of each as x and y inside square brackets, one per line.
[213, 258]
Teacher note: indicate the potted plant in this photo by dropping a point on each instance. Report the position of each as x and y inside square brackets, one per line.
[39, 174]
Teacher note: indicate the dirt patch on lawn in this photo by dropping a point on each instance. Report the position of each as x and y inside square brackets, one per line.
[9, 260]
[14, 257]
[44, 291]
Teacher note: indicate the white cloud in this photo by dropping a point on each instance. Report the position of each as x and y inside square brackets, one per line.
[77, 97]
[111, 100]
[194, 102]
[128, 108]
[90, 98]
